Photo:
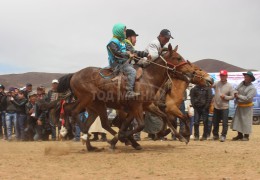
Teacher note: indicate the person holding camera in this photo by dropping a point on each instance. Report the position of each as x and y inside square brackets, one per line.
[20, 103]
[11, 112]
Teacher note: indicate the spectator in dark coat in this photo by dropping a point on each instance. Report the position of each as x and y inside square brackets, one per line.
[11, 112]
[28, 89]
[35, 117]
[52, 96]
[200, 100]
[20, 103]
[2, 112]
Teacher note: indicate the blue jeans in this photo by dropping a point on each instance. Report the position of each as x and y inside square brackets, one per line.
[182, 109]
[19, 126]
[77, 132]
[83, 118]
[198, 114]
[220, 114]
[10, 118]
[130, 73]
[210, 123]
[53, 128]
[3, 124]
[53, 132]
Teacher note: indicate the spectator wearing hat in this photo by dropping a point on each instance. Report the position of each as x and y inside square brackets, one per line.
[52, 96]
[244, 94]
[130, 43]
[20, 103]
[223, 94]
[2, 111]
[11, 112]
[157, 45]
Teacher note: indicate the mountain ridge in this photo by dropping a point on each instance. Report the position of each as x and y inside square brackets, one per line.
[44, 79]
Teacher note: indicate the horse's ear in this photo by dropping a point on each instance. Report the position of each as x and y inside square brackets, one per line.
[170, 47]
[188, 62]
[176, 48]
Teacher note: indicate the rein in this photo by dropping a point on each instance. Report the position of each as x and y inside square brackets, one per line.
[174, 67]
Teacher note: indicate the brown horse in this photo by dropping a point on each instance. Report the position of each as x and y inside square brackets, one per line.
[171, 98]
[172, 101]
[96, 93]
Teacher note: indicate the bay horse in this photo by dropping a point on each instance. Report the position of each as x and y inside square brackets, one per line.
[171, 98]
[96, 94]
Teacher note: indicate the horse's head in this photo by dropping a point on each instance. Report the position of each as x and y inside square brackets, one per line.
[201, 77]
[188, 71]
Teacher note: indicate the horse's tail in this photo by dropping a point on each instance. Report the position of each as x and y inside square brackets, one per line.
[64, 83]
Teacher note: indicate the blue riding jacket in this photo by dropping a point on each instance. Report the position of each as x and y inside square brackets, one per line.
[112, 58]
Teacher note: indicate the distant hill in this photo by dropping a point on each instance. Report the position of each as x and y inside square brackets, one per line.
[40, 78]
[212, 65]
[35, 78]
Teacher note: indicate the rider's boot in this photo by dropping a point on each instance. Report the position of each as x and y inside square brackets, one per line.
[131, 94]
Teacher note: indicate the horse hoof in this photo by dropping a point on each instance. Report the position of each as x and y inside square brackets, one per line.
[92, 149]
[128, 143]
[99, 149]
[138, 147]
[182, 139]
[112, 144]
[113, 147]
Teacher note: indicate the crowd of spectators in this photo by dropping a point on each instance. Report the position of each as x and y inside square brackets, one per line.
[20, 112]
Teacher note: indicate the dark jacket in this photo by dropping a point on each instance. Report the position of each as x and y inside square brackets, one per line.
[201, 97]
[20, 105]
[2, 102]
[130, 47]
[115, 50]
[51, 96]
[10, 106]
[38, 113]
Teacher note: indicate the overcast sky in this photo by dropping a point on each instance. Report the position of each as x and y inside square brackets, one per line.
[67, 35]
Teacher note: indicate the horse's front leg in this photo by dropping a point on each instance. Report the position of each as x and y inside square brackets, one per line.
[137, 113]
[175, 111]
[155, 110]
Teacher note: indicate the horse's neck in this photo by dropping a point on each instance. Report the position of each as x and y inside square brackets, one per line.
[156, 74]
[178, 89]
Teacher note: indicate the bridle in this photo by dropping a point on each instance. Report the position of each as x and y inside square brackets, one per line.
[172, 68]
[195, 75]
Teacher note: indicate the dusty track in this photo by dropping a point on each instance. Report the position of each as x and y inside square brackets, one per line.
[157, 160]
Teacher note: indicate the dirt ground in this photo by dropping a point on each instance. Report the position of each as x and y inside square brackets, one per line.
[158, 160]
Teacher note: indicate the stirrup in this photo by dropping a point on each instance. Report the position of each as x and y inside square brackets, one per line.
[132, 94]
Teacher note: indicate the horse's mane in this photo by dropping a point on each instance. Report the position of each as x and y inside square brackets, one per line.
[64, 83]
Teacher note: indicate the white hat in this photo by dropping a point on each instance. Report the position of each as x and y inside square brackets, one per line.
[55, 81]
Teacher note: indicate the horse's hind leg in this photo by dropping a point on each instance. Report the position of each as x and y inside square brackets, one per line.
[80, 106]
[137, 112]
[101, 109]
[89, 121]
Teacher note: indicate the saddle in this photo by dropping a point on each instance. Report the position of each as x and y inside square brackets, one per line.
[109, 73]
